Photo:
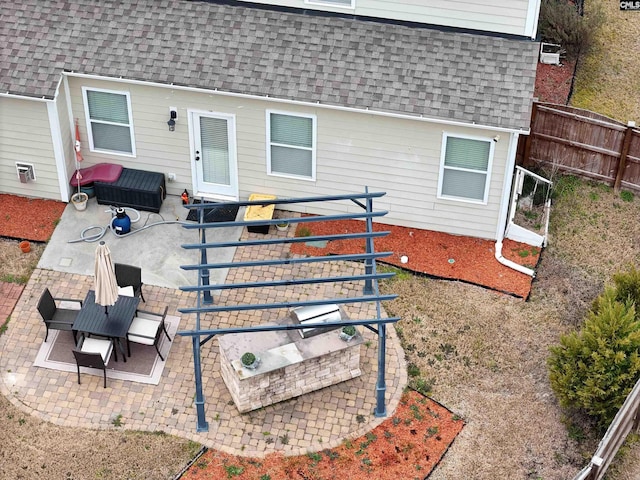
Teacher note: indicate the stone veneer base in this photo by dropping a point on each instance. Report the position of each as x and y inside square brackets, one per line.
[287, 369]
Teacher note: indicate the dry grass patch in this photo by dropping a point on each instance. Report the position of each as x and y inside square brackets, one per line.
[15, 266]
[33, 449]
[483, 354]
[608, 79]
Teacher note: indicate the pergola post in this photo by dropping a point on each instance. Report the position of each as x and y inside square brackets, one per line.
[201, 424]
[381, 384]
[207, 298]
[368, 263]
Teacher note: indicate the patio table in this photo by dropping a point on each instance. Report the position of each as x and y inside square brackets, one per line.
[93, 320]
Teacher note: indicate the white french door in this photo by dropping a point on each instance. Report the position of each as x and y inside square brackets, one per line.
[214, 160]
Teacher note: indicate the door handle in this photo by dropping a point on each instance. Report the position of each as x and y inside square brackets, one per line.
[197, 155]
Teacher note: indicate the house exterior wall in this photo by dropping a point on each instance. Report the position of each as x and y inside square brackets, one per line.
[354, 150]
[487, 15]
[25, 136]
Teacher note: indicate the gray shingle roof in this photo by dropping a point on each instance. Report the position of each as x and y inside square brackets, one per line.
[337, 61]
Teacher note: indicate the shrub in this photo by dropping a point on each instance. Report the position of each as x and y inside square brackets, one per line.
[248, 358]
[561, 23]
[303, 232]
[594, 369]
[349, 330]
[626, 196]
[626, 288]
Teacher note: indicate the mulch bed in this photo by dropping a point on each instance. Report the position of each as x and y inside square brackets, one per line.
[436, 254]
[431, 253]
[405, 446]
[29, 218]
[553, 82]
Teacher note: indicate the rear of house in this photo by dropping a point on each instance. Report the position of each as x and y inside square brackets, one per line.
[278, 100]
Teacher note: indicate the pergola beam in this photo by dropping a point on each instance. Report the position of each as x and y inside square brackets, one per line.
[370, 279]
[277, 328]
[279, 241]
[287, 283]
[302, 303]
[289, 261]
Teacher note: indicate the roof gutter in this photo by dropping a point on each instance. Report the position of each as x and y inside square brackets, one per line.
[215, 91]
[24, 97]
[504, 210]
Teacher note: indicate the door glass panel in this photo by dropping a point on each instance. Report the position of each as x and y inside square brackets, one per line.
[214, 140]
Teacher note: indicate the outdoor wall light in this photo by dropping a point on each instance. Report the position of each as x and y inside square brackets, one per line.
[173, 114]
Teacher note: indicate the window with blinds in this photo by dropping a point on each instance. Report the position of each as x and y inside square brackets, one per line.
[465, 167]
[109, 121]
[291, 146]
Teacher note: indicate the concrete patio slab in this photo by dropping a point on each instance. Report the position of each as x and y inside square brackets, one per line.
[156, 249]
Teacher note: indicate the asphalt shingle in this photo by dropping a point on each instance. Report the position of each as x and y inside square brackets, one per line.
[337, 61]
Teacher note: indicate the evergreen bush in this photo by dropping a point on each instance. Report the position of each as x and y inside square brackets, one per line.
[626, 288]
[561, 23]
[594, 369]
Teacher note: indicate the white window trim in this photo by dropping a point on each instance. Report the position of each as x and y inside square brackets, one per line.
[443, 152]
[313, 145]
[351, 6]
[89, 124]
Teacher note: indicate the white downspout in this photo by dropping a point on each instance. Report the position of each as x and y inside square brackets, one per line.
[504, 209]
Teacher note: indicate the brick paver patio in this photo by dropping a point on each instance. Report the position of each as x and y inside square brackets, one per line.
[314, 421]
[9, 296]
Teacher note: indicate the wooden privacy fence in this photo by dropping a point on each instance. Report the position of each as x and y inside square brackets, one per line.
[583, 143]
[626, 420]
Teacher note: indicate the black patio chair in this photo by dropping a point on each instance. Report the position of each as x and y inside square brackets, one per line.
[130, 275]
[55, 317]
[146, 329]
[93, 353]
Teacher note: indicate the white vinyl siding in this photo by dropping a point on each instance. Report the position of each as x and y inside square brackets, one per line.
[352, 151]
[25, 137]
[465, 168]
[333, 3]
[109, 121]
[291, 145]
[517, 17]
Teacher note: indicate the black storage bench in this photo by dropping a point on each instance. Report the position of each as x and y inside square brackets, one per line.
[135, 188]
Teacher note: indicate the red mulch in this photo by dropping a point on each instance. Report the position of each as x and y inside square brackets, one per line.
[29, 218]
[553, 82]
[436, 254]
[405, 446]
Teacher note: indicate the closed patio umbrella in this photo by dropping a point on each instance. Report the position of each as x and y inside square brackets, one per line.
[106, 287]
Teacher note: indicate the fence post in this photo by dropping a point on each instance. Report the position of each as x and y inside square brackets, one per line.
[636, 419]
[527, 143]
[622, 162]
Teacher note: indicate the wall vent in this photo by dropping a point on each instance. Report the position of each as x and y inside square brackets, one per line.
[26, 172]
